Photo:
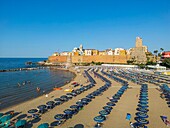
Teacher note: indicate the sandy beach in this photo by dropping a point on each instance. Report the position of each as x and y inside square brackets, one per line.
[117, 118]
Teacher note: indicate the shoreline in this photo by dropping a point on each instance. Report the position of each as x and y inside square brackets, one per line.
[22, 102]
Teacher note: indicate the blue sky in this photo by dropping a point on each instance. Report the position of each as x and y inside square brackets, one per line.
[37, 28]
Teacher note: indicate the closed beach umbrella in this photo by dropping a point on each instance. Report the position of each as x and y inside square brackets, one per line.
[44, 125]
[104, 112]
[32, 111]
[99, 119]
[20, 123]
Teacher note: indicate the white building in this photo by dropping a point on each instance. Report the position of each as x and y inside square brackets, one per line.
[109, 52]
[55, 54]
[117, 51]
[88, 52]
[65, 53]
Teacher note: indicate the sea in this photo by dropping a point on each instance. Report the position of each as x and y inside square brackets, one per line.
[19, 86]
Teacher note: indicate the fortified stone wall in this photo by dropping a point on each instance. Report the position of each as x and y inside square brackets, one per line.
[88, 59]
[57, 59]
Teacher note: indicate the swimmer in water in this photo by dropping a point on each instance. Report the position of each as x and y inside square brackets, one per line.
[38, 89]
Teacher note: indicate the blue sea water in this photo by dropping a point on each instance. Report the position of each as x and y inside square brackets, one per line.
[20, 86]
[12, 63]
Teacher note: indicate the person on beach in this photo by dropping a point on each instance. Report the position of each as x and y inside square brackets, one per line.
[131, 124]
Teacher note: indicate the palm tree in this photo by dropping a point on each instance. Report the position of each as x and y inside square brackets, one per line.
[162, 49]
[155, 52]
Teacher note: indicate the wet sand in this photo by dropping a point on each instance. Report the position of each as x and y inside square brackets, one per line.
[116, 119]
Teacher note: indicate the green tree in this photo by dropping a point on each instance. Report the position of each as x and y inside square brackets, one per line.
[155, 52]
[162, 49]
[166, 62]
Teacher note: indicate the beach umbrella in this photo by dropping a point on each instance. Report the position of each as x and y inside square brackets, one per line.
[32, 111]
[142, 109]
[99, 119]
[42, 107]
[5, 118]
[107, 108]
[44, 125]
[143, 105]
[79, 126]
[50, 103]
[59, 117]
[64, 98]
[57, 99]
[113, 100]
[104, 112]
[20, 123]
[1, 114]
[143, 102]
[111, 104]
[58, 102]
[74, 106]
[141, 120]
[142, 114]
[68, 111]
[143, 98]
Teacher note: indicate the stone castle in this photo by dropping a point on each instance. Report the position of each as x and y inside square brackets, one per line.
[80, 55]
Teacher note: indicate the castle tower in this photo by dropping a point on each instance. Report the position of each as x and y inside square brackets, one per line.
[138, 42]
[138, 52]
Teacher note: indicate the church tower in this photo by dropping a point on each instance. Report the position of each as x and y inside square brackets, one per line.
[81, 47]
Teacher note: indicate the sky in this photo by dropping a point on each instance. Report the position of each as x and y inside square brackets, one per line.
[38, 28]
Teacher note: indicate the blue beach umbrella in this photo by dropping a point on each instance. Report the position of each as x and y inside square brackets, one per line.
[104, 112]
[32, 111]
[44, 125]
[50, 103]
[42, 107]
[1, 114]
[141, 120]
[99, 119]
[142, 115]
[107, 108]
[143, 105]
[59, 117]
[64, 98]
[68, 111]
[20, 123]
[5, 118]
[111, 104]
[142, 109]
[57, 99]
[74, 106]
[143, 102]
